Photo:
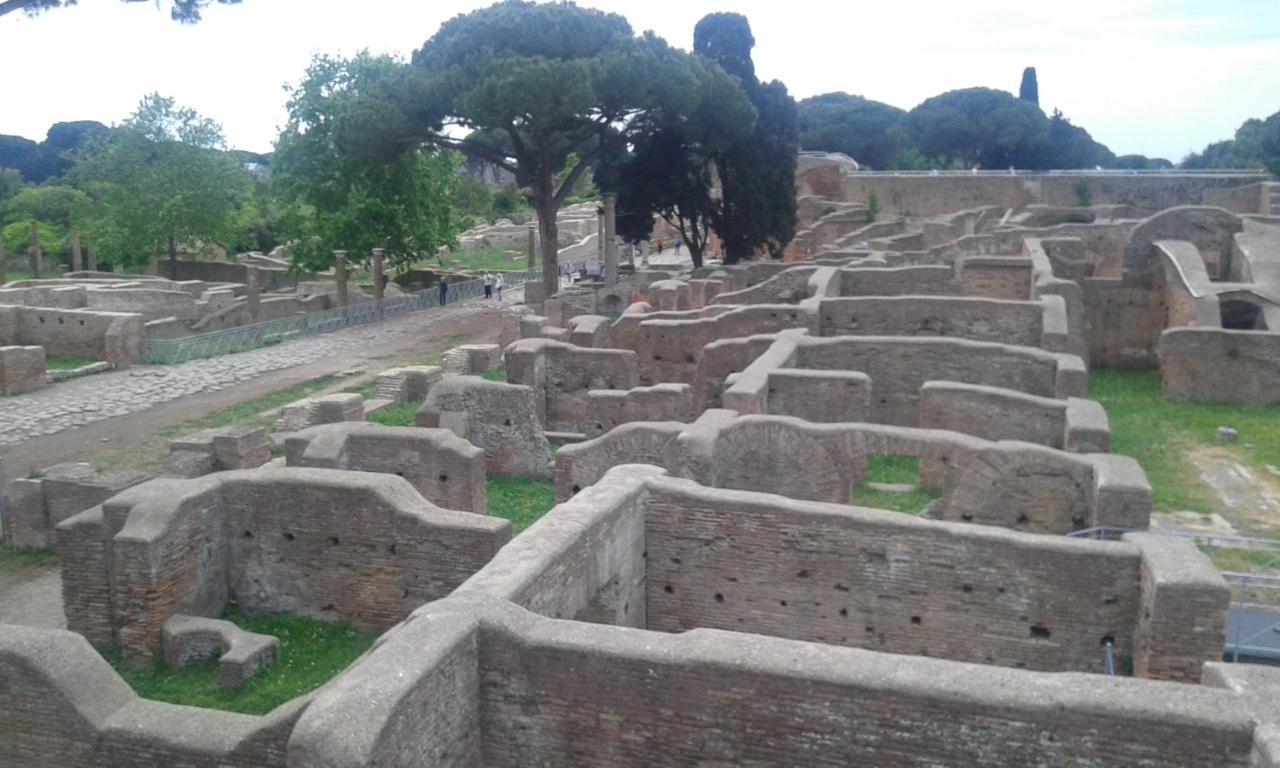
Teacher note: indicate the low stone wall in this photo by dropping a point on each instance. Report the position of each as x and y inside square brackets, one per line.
[562, 375]
[899, 281]
[609, 408]
[63, 706]
[1008, 484]
[991, 413]
[1021, 323]
[21, 369]
[111, 336]
[668, 350]
[354, 546]
[499, 677]
[1218, 365]
[447, 470]
[151, 303]
[501, 419]
[995, 277]
[37, 504]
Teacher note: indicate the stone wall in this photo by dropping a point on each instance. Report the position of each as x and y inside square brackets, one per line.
[21, 369]
[668, 350]
[925, 280]
[354, 546]
[37, 504]
[1193, 362]
[995, 277]
[609, 408]
[992, 413]
[501, 419]
[111, 336]
[1020, 323]
[562, 375]
[445, 469]
[1008, 484]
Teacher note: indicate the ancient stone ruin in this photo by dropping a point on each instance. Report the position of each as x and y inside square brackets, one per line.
[706, 591]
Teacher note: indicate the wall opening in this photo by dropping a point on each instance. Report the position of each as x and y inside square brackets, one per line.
[1241, 315]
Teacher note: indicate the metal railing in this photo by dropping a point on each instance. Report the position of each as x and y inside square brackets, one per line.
[247, 337]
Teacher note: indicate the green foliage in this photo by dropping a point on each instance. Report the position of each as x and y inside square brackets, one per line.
[161, 179]
[500, 374]
[1256, 145]
[25, 558]
[1029, 89]
[870, 132]
[521, 500]
[182, 11]
[395, 416]
[55, 205]
[1158, 433]
[66, 362]
[344, 195]
[10, 184]
[550, 80]
[757, 205]
[17, 239]
[873, 206]
[898, 470]
[1083, 193]
[979, 127]
[311, 653]
[1269, 144]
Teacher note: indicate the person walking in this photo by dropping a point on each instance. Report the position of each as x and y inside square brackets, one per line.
[659, 244]
[488, 285]
[497, 284]
[444, 291]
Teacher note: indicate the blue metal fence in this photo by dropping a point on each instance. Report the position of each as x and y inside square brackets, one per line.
[247, 337]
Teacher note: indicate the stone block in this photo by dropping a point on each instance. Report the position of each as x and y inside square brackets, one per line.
[21, 369]
[241, 655]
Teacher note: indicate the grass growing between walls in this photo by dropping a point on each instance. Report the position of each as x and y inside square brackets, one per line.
[66, 363]
[521, 500]
[892, 470]
[1159, 433]
[311, 653]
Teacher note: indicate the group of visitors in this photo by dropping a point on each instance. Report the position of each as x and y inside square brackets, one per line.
[492, 281]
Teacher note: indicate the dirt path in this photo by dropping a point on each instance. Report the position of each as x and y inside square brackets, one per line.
[374, 348]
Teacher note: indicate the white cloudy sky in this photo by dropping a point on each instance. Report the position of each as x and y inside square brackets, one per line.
[1157, 77]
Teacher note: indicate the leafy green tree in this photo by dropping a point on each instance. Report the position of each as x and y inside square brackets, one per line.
[980, 127]
[1243, 151]
[347, 196]
[756, 206]
[10, 183]
[1070, 146]
[870, 132]
[1269, 144]
[184, 11]
[17, 239]
[160, 180]
[56, 205]
[554, 80]
[24, 156]
[1029, 90]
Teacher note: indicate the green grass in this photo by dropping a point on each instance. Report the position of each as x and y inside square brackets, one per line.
[23, 558]
[490, 258]
[900, 470]
[496, 375]
[67, 363]
[1158, 433]
[519, 499]
[1242, 560]
[311, 652]
[395, 416]
[151, 454]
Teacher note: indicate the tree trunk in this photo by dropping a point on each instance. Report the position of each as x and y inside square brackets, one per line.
[547, 207]
[173, 258]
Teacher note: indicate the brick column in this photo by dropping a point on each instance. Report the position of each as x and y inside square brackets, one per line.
[340, 274]
[379, 277]
[253, 298]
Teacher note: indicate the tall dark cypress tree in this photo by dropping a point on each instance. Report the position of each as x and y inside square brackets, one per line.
[757, 206]
[1030, 89]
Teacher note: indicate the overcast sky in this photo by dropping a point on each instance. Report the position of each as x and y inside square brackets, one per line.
[1156, 77]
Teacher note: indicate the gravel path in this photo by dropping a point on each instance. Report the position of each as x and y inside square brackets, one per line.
[94, 398]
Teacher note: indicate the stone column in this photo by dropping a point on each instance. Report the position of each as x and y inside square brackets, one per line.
[379, 277]
[340, 274]
[76, 264]
[90, 258]
[600, 235]
[533, 246]
[610, 242]
[37, 255]
[253, 296]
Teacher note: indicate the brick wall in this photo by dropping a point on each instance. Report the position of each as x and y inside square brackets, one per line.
[112, 336]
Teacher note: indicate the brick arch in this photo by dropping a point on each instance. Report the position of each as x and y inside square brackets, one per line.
[781, 456]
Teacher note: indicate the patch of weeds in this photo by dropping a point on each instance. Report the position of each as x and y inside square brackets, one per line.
[22, 558]
[521, 500]
[66, 362]
[1158, 433]
[311, 653]
[496, 375]
[395, 416]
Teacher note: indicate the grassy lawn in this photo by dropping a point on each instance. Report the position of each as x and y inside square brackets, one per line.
[499, 375]
[70, 362]
[519, 499]
[490, 258]
[1158, 433]
[901, 470]
[311, 652]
